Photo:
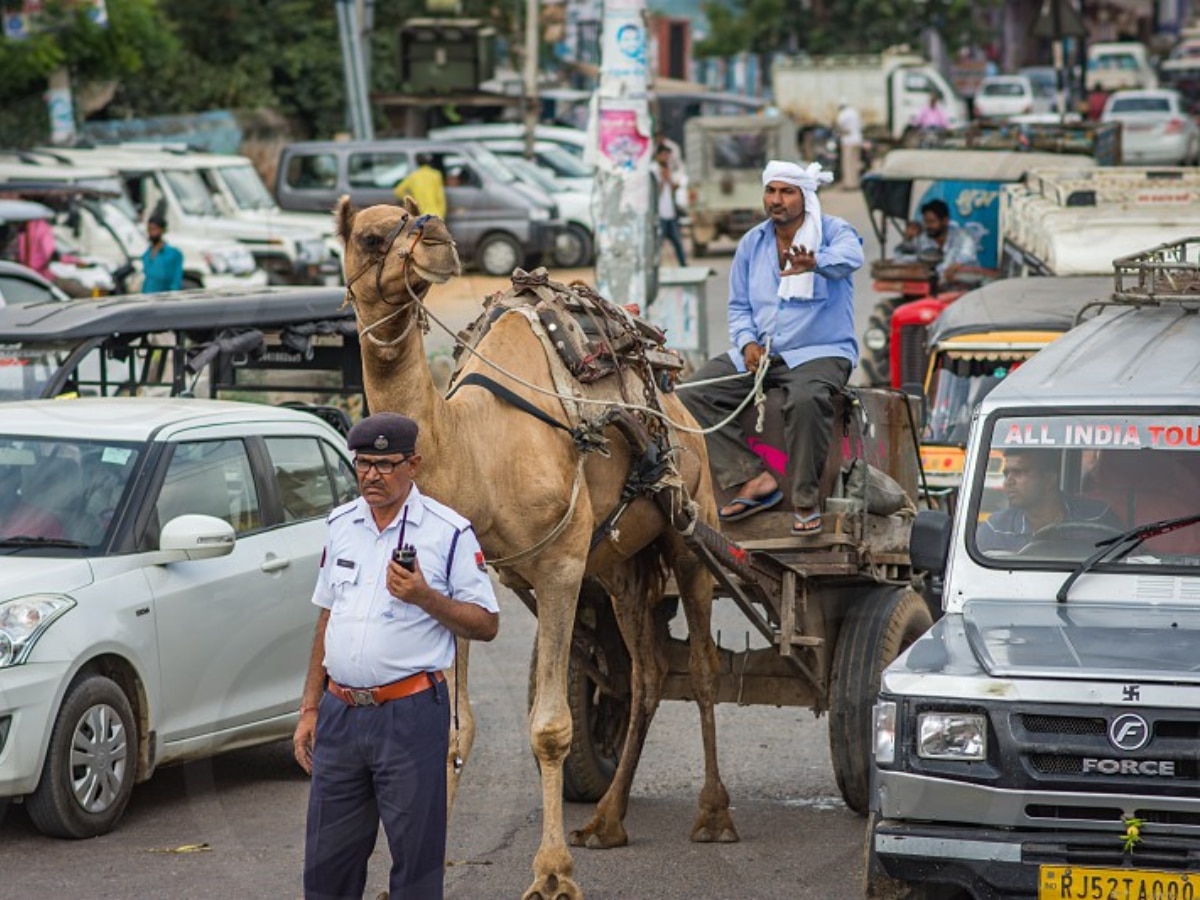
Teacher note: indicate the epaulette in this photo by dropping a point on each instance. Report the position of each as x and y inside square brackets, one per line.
[338, 511]
[446, 514]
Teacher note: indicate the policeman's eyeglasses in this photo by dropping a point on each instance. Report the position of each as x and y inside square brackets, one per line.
[363, 465]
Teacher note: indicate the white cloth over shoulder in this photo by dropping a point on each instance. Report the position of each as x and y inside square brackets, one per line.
[808, 179]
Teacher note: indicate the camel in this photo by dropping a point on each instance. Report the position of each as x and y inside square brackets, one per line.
[515, 479]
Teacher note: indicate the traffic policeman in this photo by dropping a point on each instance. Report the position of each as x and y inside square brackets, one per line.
[375, 715]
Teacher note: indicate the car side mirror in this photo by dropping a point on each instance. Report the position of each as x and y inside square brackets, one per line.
[196, 537]
[929, 542]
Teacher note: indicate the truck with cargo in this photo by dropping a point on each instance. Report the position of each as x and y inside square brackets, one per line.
[887, 89]
[1040, 740]
[1065, 222]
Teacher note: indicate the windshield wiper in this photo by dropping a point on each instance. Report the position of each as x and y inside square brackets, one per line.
[29, 540]
[1114, 548]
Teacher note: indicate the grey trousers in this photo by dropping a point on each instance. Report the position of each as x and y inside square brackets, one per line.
[808, 393]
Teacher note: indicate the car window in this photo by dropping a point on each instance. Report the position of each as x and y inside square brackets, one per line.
[25, 368]
[68, 490]
[304, 483]
[1141, 104]
[211, 478]
[1004, 89]
[378, 170]
[916, 82]
[195, 197]
[15, 291]
[739, 151]
[345, 483]
[312, 171]
[247, 188]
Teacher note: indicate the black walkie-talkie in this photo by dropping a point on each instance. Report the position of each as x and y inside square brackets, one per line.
[404, 554]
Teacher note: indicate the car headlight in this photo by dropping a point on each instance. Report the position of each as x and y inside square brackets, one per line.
[539, 214]
[217, 262]
[951, 735]
[22, 622]
[885, 732]
[233, 260]
[875, 338]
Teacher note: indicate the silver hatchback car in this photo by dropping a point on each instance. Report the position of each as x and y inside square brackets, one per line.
[157, 557]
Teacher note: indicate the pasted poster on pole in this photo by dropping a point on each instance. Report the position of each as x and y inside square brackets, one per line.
[623, 140]
[624, 54]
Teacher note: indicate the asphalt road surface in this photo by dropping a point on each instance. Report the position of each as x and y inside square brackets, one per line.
[233, 827]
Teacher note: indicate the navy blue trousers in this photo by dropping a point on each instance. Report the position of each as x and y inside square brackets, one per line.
[375, 763]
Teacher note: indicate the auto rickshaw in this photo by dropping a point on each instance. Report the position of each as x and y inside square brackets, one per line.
[968, 180]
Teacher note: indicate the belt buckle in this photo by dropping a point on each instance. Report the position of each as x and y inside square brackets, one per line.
[362, 697]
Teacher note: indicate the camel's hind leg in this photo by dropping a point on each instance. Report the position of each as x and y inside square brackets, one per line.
[462, 731]
[635, 590]
[713, 821]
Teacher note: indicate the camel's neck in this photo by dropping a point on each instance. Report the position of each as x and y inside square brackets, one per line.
[398, 379]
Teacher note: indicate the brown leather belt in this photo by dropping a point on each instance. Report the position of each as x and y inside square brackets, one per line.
[405, 687]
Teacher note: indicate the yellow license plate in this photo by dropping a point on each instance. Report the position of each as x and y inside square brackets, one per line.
[1078, 883]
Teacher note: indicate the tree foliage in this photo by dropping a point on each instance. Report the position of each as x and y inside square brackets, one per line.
[766, 27]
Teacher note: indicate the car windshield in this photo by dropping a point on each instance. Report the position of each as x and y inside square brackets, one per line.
[1072, 481]
[959, 383]
[1141, 104]
[115, 186]
[194, 196]
[736, 150]
[534, 173]
[563, 163]
[247, 188]
[59, 493]
[492, 164]
[25, 369]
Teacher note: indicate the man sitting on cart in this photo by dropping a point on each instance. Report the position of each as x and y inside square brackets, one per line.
[935, 234]
[791, 310]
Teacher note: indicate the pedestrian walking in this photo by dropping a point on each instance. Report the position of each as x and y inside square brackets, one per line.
[401, 575]
[162, 264]
[668, 210]
[850, 136]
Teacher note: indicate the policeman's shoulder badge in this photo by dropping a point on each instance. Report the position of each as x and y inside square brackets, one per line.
[480, 563]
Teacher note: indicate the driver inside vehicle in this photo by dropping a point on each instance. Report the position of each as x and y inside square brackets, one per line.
[1036, 503]
[937, 237]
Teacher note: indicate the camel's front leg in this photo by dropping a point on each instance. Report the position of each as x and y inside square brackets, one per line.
[713, 821]
[550, 726]
[462, 722]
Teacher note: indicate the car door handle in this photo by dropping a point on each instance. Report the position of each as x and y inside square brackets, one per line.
[275, 563]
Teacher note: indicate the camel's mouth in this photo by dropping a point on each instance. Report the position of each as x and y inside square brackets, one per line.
[438, 262]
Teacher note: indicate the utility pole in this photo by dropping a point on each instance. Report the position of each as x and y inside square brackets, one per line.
[626, 263]
[531, 74]
[357, 94]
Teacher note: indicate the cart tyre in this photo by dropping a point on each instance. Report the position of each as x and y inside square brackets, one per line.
[598, 721]
[875, 631]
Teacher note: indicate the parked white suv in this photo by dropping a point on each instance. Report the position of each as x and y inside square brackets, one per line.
[155, 579]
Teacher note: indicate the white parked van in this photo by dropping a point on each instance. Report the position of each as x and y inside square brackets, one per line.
[1118, 66]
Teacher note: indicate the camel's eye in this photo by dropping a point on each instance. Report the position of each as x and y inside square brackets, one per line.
[372, 243]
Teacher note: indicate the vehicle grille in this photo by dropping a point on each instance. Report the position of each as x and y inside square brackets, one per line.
[1058, 764]
[912, 354]
[1041, 724]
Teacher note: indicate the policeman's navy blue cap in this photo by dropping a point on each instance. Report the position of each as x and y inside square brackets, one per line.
[384, 433]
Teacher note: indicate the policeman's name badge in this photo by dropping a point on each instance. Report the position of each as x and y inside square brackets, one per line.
[347, 563]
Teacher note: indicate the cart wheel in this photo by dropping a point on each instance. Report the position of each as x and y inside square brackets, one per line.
[876, 630]
[874, 359]
[599, 717]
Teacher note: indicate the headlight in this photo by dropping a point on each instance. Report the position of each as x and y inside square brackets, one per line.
[875, 338]
[233, 260]
[22, 622]
[217, 262]
[539, 214]
[946, 735]
[885, 732]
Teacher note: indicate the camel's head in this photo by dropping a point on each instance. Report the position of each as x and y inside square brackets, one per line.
[392, 251]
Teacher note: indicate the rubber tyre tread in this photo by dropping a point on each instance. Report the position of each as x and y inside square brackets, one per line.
[875, 631]
[586, 774]
[52, 805]
[493, 238]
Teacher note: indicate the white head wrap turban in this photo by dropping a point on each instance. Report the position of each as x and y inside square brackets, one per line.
[808, 179]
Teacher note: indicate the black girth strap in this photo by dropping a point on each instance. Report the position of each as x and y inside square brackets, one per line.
[510, 398]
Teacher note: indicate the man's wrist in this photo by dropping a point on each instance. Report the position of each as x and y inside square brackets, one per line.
[306, 708]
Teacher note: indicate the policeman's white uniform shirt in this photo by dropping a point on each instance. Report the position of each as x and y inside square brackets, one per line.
[372, 638]
[849, 124]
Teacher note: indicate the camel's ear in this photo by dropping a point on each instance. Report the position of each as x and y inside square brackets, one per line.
[411, 205]
[343, 216]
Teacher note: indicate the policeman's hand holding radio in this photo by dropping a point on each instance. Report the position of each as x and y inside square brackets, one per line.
[408, 586]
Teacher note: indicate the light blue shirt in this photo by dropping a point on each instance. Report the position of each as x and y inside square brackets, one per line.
[960, 248]
[372, 638]
[801, 330]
